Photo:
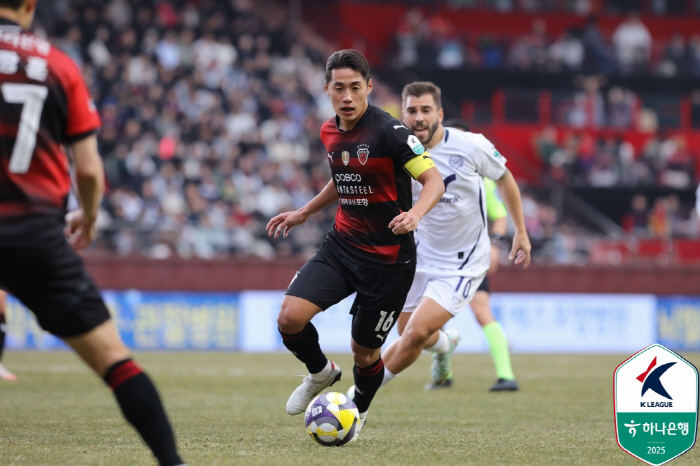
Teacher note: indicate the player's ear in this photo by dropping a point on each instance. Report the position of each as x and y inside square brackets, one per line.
[325, 87]
[369, 86]
[30, 6]
[441, 115]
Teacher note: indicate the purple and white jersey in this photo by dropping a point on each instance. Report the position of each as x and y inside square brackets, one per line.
[454, 235]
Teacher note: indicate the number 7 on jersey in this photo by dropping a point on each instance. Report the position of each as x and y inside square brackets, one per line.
[32, 98]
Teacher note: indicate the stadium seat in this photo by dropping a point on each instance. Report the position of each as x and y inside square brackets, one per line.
[687, 250]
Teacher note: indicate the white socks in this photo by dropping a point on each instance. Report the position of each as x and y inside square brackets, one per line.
[387, 377]
[323, 375]
[441, 346]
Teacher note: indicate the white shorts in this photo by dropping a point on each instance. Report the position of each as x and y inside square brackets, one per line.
[450, 292]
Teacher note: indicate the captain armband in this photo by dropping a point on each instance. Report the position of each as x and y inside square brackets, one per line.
[417, 165]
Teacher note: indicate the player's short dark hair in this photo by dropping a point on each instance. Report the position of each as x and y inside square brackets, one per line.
[12, 4]
[420, 88]
[348, 58]
[456, 123]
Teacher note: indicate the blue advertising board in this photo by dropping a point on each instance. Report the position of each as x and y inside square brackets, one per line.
[678, 321]
[149, 320]
[247, 321]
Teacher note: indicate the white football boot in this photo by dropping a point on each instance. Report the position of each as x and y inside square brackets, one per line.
[351, 392]
[441, 368]
[309, 388]
[360, 425]
[5, 374]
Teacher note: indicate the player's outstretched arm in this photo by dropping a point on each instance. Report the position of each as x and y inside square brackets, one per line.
[433, 189]
[510, 193]
[283, 222]
[89, 178]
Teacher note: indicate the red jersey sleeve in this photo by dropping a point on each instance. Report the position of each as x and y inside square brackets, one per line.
[82, 117]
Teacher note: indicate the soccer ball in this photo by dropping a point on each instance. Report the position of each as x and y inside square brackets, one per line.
[331, 419]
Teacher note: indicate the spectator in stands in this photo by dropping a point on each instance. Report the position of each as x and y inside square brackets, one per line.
[491, 51]
[597, 52]
[564, 164]
[695, 108]
[566, 53]
[678, 164]
[651, 155]
[530, 52]
[676, 58]
[636, 221]
[588, 109]
[659, 221]
[694, 55]
[679, 217]
[605, 172]
[546, 145]
[446, 43]
[569, 245]
[632, 43]
[620, 106]
[586, 151]
[412, 40]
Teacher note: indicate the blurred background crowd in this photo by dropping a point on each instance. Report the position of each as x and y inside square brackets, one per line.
[211, 115]
[433, 41]
[212, 108]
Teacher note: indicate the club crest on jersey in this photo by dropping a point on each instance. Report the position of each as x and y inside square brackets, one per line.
[363, 153]
[345, 155]
[415, 145]
[456, 161]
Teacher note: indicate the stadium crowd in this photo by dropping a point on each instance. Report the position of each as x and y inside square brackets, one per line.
[424, 40]
[581, 7]
[582, 159]
[211, 114]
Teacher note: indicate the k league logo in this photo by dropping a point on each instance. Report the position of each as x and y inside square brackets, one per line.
[652, 381]
[656, 405]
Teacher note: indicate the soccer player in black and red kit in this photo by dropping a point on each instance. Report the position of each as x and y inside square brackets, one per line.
[370, 249]
[45, 107]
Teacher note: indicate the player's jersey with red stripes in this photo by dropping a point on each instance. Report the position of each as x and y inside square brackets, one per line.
[367, 164]
[44, 104]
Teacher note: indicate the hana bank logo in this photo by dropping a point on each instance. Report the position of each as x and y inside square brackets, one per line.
[651, 379]
[659, 422]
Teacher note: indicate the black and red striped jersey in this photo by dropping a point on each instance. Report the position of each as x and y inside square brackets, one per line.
[367, 165]
[44, 104]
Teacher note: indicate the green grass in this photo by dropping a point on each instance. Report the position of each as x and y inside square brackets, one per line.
[228, 409]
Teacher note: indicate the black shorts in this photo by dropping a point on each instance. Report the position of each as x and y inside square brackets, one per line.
[327, 279]
[484, 285]
[43, 271]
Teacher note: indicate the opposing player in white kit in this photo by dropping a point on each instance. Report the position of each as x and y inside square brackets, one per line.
[454, 250]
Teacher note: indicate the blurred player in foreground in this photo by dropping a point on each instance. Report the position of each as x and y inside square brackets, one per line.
[481, 302]
[370, 249]
[44, 105]
[453, 246]
[4, 373]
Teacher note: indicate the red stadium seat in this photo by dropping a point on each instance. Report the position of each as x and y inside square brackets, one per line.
[656, 250]
[687, 250]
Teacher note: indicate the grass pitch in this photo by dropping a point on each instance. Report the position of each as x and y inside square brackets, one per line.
[228, 409]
